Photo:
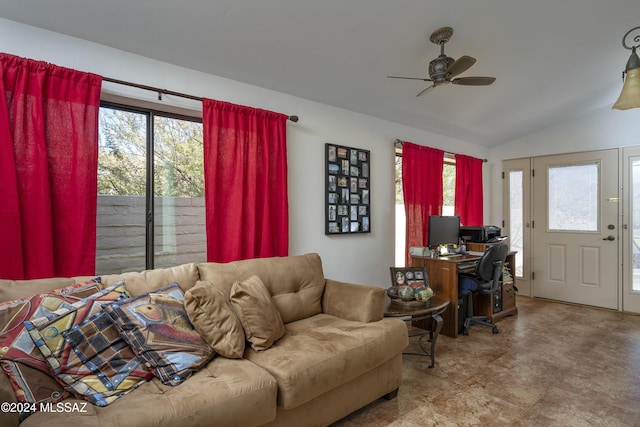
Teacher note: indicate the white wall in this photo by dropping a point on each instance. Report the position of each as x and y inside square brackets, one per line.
[600, 129]
[362, 258]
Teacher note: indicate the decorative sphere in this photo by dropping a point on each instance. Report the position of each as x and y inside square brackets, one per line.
[415, 285]
[424, 294]
[405, 292]
[392, 292]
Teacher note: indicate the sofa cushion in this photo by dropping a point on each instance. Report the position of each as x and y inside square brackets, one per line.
[139, 283]
[31, 385]
[85, 351]
[260, 318]
[225, 393]
[158, 329]
[323, 352]
[9, 419]
[296, 283]
[212, 315]
[20, 358]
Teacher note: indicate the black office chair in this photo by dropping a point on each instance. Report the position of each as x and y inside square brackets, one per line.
[486, 280]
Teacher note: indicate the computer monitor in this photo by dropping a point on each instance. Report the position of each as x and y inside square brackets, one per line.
[444, 230]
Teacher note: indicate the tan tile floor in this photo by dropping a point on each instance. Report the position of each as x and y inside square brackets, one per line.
[552, 365]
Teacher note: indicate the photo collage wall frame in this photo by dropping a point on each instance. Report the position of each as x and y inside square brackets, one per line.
[348, 190]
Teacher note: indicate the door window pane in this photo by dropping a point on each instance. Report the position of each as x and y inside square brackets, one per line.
[573, 198]
[635, 222]
[516, 218]
[180, 235]
[120, 235]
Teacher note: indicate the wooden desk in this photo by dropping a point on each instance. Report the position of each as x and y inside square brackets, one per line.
[443, 279]
[483, 304]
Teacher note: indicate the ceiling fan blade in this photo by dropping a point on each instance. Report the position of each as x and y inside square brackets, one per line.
[426, 90]
[473, 81]
[460, 65]
[409, 78]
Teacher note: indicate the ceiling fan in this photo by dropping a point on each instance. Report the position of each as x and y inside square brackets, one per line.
[443, 69]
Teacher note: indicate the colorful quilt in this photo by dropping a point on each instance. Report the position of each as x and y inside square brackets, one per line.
[85, 351]
[158, 329]
[19, 357]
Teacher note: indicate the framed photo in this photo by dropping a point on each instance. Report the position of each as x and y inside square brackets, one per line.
[348, 189]
[407, 275]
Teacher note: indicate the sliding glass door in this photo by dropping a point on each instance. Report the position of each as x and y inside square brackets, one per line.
[150, 190]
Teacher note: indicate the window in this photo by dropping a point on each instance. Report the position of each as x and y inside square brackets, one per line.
[635, 223]
[573, 207]
[448, 186]
[151, 210]
[448, 202]
[516, 217]
[401, 219]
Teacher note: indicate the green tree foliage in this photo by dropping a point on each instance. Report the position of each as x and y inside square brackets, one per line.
[448, 182]
[122, 148]
[178, 158]
[399, 193]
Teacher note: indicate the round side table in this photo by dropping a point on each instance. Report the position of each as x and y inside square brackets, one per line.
[432, 309]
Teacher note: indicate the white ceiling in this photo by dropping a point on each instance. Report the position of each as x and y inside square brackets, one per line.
[553, 59]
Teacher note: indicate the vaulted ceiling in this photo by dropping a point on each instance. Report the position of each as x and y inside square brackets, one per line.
[553, 60]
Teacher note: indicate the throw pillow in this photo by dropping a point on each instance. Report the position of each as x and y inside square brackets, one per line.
[85, 351]
[158, 329]
[259, 316]
[212, 315]
[19, 357]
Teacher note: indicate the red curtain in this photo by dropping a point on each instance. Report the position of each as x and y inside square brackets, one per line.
[245, 162]
[422, 188]
[468, 204]
[48, 169]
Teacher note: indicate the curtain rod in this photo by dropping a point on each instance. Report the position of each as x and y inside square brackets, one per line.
[166, 92]
[399, 142]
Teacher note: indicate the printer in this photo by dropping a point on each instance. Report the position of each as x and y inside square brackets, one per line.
[479, 233]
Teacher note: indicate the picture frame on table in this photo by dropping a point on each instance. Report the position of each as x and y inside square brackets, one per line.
[408, 275]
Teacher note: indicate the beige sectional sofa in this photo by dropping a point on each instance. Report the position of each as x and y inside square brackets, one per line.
[337, 355]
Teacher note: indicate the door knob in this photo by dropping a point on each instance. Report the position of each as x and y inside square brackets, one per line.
[609, 238]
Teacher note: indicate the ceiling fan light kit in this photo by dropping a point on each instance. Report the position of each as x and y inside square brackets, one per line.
[443, 69]
[630, 95]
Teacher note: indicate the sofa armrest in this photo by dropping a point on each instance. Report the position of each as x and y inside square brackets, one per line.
[353, 302]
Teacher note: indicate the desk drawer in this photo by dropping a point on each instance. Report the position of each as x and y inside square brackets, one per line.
[508, 296]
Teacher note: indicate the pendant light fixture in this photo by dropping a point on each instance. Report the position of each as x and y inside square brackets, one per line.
[630, 95]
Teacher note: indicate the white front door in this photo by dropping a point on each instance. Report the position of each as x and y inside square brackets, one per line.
[576, 228]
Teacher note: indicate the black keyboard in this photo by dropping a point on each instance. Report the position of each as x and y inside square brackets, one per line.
[465, 266]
